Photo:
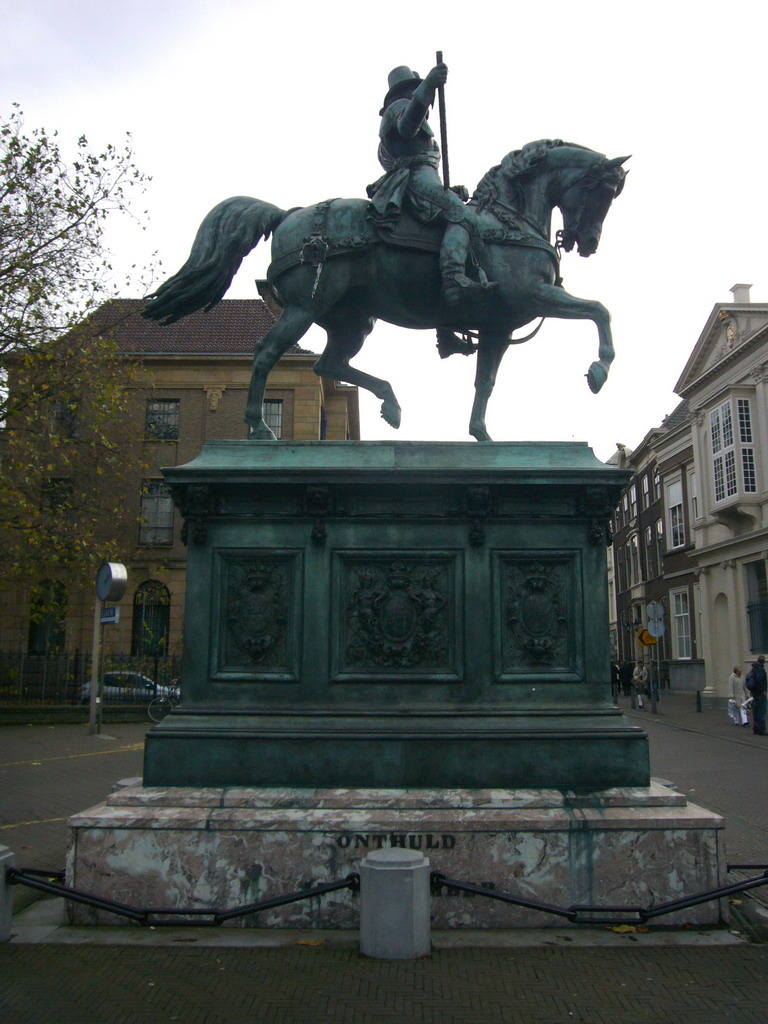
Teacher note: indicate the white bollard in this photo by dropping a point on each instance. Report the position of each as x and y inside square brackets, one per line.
[6, 894]
[394, 905]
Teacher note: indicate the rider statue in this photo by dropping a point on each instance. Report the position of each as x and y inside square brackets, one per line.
[410, 156]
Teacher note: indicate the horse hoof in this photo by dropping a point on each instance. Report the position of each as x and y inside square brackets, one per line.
[261, 433]
[596, 376]
[391, 413]
[480, 434]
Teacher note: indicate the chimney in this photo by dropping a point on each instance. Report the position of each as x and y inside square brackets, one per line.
[740, 293]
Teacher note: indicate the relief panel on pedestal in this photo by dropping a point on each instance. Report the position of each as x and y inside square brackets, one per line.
[538, 611]
[258, 616]
[397, 617]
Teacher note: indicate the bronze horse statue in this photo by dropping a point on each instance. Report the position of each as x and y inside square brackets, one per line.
[331, 265]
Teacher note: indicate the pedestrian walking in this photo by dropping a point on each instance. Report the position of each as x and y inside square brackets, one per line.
[737, 697]
[757, 684]
[615, 682]
[625, 675]
[640, 681]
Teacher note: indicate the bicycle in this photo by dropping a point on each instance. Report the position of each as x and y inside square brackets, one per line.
[159, 706]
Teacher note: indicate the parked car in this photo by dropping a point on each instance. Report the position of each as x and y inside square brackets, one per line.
[122, 686]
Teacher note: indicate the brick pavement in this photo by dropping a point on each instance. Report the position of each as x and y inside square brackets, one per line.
[323, 984]
[315, 985]
[47, 773]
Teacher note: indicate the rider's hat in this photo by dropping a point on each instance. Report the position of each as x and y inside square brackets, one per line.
[401, 82]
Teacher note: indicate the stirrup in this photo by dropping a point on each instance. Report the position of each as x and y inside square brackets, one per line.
[450, 344]
[459, 286]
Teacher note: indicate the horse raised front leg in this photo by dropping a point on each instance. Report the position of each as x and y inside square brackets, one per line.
[290, 328]
[557, 303]
[490, 350]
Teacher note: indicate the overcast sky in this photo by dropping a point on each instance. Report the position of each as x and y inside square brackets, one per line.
[280, 101]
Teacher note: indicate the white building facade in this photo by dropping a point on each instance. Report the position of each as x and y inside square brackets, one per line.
[691, 528]
[725, 383]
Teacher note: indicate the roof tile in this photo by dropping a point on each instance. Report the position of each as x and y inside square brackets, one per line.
[233, 326]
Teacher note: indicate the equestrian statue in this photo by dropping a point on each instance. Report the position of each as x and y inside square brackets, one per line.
[417, 254]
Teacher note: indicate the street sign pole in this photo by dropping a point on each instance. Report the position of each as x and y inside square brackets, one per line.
[94, 718]
[654, 686]
[655, 612]
[111, 581]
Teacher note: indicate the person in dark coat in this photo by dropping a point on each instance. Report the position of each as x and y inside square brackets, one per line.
[615, 681]
[625, 675]
[757, 684]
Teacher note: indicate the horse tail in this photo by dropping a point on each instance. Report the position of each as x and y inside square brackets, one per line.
[228, 233]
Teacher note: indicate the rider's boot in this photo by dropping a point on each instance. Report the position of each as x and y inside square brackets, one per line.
[451, 344]
[453, 260]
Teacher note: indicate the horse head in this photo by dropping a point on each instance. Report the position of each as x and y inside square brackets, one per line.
[585, 199]
[530, 182]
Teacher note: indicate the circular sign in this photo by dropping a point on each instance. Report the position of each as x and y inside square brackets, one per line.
[656, 628]
[655, 611]
[111, 581]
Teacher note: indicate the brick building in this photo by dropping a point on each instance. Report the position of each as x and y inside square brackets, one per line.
[194, 383]
[652, 543]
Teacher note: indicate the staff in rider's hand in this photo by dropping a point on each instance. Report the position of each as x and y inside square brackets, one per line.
[443, 126]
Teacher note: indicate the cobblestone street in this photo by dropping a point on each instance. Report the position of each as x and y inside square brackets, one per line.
[221, 976]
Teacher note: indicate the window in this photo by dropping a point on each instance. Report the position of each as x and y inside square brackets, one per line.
[656, 485]
[621, 572]
[162, 421]
[675, 516]
[47, 618]
[693, 495]
[633, 560]
[757, 606]
[151, 616]
[66, 419]
[649, 551]
[57, 494]
[660, 545]
[273, 416]
[156, 513]
[633, 500]
[747, 453]
[732, 450]
[646, 490]
[625, 507]
[681, 624]
[697, 607]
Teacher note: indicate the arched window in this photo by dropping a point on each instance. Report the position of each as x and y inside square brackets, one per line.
[47, 618]
[151, 616]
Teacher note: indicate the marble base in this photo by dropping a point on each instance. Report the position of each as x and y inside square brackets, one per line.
[224, 847]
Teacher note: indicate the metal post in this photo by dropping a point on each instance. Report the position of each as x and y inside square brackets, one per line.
[654, 683]
[698, 700]
[6, 894]
[94, 718]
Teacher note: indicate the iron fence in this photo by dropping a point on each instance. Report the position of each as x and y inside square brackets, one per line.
[50, 882]
[64, 679]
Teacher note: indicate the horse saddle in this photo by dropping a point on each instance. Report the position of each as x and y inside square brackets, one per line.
[407, 232]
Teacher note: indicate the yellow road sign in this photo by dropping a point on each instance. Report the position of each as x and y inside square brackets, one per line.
[645, 638]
